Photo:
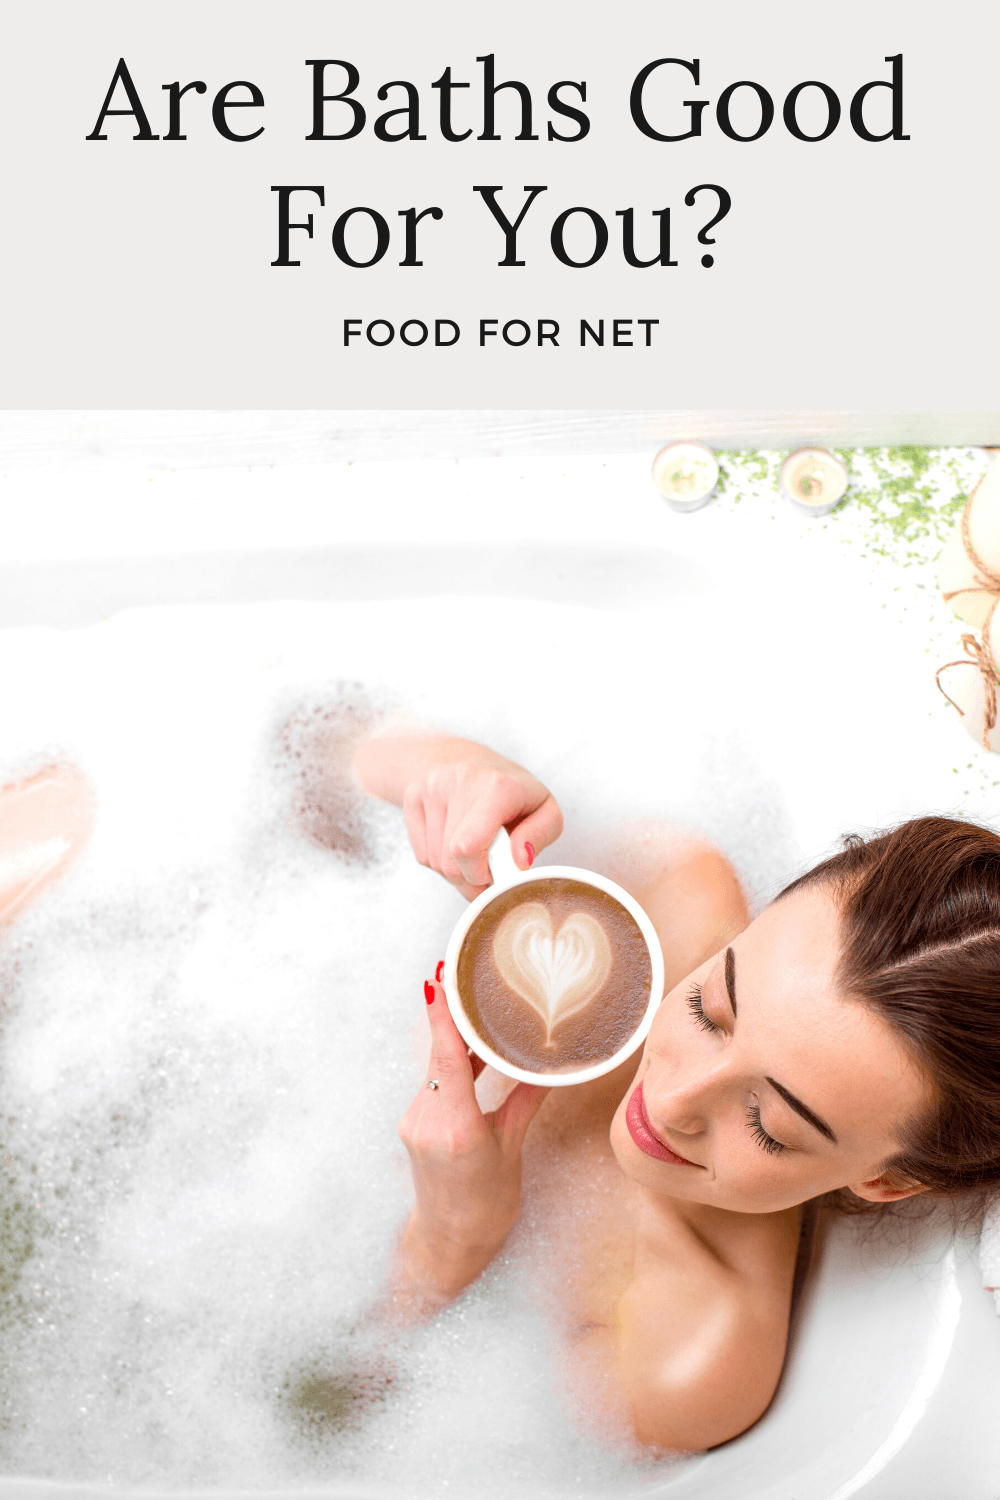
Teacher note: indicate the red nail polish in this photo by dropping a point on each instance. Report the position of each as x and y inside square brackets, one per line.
[428, 992]
[530, 853]
[439, 972]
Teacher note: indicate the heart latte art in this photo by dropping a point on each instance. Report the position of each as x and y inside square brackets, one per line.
[554, 975]
[556, 969]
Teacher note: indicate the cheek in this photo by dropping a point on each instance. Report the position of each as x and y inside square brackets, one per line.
[673, 1038]
[753, 1180]
[619, 1137]
[739, 1162]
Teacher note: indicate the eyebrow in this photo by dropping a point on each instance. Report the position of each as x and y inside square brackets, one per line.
[803, 1110]
[789, 1098]
[730, 967]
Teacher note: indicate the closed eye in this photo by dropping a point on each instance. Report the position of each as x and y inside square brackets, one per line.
[698, 1011]
[765, 1142]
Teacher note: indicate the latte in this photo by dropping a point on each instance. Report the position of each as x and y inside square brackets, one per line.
[554, 975]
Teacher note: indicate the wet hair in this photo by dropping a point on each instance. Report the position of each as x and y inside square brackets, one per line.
[920, 926]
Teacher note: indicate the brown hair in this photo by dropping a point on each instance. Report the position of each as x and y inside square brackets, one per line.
[920, 920]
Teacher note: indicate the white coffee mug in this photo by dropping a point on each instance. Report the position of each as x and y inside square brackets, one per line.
[505, 875]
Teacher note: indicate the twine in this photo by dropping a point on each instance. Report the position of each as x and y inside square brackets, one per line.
[977, 653]
[986, 579]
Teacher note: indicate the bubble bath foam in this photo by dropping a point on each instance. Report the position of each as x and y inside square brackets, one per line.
[213, 1024]
[211, 1029]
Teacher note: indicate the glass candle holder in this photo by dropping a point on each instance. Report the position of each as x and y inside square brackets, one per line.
[814, 480]
[686, 474]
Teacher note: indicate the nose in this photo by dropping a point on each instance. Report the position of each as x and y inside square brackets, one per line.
[683, 1099]
[679, 1112]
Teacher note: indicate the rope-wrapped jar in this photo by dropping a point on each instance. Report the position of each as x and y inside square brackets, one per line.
[969, 579]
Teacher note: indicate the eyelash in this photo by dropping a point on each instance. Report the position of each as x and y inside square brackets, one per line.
[698, 1011]
[765, 1142]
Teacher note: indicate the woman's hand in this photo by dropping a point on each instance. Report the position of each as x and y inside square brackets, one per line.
[455, 796]
[466, 1169]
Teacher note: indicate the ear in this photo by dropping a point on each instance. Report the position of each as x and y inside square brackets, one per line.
[889, 1188]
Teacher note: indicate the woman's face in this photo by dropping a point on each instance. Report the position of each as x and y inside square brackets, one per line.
[771, 1086]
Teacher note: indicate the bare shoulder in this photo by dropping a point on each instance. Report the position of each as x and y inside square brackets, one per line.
[702, 1332]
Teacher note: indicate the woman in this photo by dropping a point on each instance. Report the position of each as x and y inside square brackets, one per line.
[846, 1042]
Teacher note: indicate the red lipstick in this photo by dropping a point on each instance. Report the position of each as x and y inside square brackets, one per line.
[641, 1132]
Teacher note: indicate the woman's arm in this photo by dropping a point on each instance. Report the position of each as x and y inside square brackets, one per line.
[455, 795]
[466, 1172]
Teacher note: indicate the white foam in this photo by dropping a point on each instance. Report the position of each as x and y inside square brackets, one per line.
[206, 1055]
[209, 1036]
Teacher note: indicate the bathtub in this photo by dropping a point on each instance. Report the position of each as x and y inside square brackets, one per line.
[894, 1363]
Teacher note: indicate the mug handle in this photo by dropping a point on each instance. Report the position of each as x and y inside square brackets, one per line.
[501, 861]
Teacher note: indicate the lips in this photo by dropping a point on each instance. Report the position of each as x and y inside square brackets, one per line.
[641, 1132]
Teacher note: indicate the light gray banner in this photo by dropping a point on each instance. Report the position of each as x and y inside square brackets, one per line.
[848, 274]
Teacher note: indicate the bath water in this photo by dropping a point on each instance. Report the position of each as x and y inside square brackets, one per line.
[213, 1024]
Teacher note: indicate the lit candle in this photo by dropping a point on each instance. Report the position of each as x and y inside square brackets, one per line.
[686, 474]
[813, 480]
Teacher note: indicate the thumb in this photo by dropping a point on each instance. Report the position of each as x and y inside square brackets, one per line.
[539, 829]
[517, 1112]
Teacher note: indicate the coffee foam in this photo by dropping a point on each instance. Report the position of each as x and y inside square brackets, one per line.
[554, 975]
[557, 970]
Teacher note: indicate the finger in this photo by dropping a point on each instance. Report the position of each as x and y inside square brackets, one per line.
[449, 1060]
[434, 815]
[477, 1064]
[539, 829]
[449, 865]
[439, 853]
[454, 876]
[416, 828]
[470, 892]
[415, 813]
[503, 801]
[517, 1111]
[452, 871]
[470, 840]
